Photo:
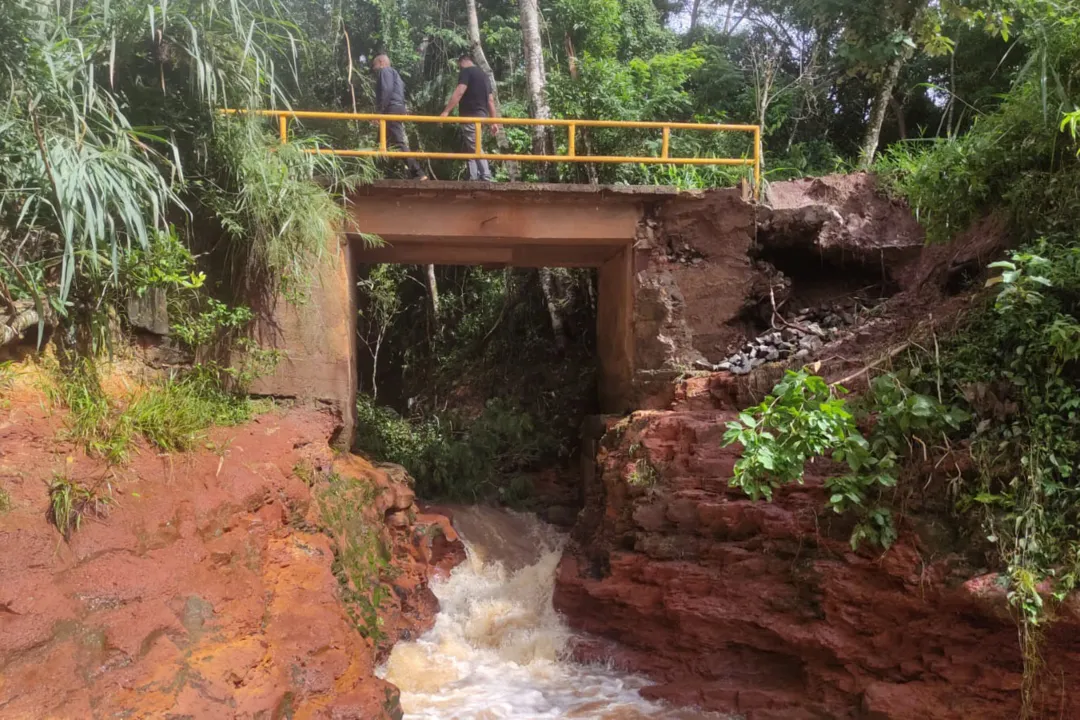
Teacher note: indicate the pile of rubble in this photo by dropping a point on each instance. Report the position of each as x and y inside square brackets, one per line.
[798, 338]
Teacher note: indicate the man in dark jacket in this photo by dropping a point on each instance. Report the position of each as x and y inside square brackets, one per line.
[390, 100]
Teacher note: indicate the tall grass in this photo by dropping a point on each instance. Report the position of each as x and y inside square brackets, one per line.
[273, 201]
[108, 126]
[70, 501]
[172, 415]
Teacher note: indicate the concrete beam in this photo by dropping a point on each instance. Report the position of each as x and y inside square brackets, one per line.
[438, 253]
[434, 219]
[501, 215]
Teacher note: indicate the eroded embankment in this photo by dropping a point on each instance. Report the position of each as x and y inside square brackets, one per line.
[209, 591]
[763, 608]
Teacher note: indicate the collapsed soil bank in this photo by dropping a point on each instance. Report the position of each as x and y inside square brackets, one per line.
[208, 591]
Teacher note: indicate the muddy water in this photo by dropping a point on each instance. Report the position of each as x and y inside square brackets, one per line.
[498, 650]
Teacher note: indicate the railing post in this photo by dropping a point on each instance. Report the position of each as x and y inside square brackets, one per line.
[283, 128]
[382, 135]
[479, 149]
[571, 145]
[667, 143]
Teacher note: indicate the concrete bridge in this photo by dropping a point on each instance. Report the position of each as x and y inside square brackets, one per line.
[657, 251]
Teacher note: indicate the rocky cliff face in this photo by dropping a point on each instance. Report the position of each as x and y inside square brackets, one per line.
[209, 591]
[763, 609]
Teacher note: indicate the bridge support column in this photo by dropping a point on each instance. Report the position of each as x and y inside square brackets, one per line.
[317, 339]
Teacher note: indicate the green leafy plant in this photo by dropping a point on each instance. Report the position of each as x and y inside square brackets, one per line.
[166, 263]
[806, 418]
[70, 501]
[1016, 365]
[643, 474]
[216, 318]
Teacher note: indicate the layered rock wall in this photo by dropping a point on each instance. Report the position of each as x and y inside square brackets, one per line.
[764, 609]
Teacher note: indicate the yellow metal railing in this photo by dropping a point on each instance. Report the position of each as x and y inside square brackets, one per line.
[665, 158]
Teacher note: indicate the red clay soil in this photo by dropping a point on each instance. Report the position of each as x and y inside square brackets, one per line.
[763, 609]
[206, 592]
[851, 215]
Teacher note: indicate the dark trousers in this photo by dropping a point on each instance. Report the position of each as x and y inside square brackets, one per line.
[478, 169]
[396, 139]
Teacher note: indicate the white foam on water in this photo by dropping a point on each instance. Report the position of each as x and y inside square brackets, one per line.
[499, 650]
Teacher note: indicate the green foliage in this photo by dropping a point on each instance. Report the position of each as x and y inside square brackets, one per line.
[269, 200]
[109, 128]
[70, 501]
[202, 329]
[5, 501]
[360, 557]
[172, 414]
[1017, 364]
[1019, 159]
[1014, 362]
[643, 474]
[805, 418]
[197, 320]
[482, 389]
[91, 420]
[453, 457]
[165, 264]
[1014, 160]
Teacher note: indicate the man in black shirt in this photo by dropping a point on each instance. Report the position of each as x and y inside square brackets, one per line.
[474, 94]
[390, 100]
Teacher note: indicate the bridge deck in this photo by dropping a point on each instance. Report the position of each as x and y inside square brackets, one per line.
[520, 224]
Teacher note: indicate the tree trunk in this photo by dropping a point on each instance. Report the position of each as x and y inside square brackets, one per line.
[482, 61]
[952, 89]
[547, 286]
[877, 110]
[901, 121]
[571, 56]
[728, 27]
[433, 294]
[695, 14]
[535, 76]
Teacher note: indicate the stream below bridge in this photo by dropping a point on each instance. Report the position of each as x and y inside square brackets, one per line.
[499, 650]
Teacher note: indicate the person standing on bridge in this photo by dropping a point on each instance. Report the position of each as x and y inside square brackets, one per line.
[477, 101]
[390, 100]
